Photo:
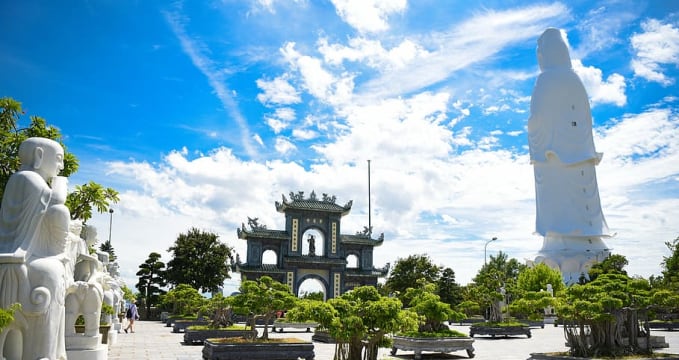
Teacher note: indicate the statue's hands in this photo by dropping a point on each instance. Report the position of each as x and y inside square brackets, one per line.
[59, 185]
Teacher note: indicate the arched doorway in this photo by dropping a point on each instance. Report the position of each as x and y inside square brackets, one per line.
[312, 287]
[312, 243]
[352, 261]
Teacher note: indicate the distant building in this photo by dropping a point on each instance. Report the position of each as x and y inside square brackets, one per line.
[311, 247]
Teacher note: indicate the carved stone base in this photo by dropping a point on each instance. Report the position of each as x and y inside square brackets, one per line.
[572, 255]
[80, 342]
[100, 353]
[112, 337]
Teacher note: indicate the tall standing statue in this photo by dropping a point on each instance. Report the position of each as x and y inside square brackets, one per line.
[34, 227]
[568, 208]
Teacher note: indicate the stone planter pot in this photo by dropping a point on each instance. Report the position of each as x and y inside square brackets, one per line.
[494, 331]
[103, 330]
[292, 325]
[192, 337]
[256, 351]
[322, 336]
[665, 325]
[548, 356]
[440, 345]
[181, 325]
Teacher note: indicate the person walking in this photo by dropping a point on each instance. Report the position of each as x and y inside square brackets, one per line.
[131, 315]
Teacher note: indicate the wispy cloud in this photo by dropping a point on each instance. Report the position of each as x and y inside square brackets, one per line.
[368, 15]
[657, 46]
[199, 55]
[468, 43]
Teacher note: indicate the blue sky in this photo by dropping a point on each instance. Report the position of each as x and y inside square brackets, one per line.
[205, 113]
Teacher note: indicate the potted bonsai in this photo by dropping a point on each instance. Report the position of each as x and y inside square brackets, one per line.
[260, 300]
[221, 323]
[432, 334]
[358, 321]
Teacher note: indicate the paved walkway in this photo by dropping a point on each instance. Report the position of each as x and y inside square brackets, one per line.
[154, 341]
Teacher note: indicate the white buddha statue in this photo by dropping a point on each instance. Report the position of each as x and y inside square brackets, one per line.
[568, 208]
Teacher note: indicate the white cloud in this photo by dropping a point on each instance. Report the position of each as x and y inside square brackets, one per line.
[317, 80]
[277, 91]
[284, 146]
[658, 45]
[465, 44]
[372, 53]
[304, 134]
[600, 91]
[368, 15]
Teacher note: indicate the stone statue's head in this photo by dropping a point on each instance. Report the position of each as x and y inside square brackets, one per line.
[90, 235]
[553, 50]
[42, 155]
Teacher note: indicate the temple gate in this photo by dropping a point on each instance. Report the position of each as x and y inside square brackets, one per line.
[311, 247]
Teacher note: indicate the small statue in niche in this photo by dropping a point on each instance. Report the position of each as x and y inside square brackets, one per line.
[312, 245]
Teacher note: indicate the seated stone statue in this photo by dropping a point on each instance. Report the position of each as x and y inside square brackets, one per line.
[33, 232]
[85, 295]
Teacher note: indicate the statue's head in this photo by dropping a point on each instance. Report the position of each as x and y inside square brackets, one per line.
[42, 155]
[553, 50]
[90, 235]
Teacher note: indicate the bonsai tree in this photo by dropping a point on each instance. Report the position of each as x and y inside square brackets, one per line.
[428, 305]
[356, 320]
[220, 313]
[468, 308]
[600, 313]
[261, 299]
[183, 300]
[532, 299]
[532, 305]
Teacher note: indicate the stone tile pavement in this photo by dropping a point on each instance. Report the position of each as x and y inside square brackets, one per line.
[154, 341]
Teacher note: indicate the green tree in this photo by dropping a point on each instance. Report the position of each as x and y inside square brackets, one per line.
[496, 277]
[407, 271]
[670, 264]
[448, 289]
[356, 320]
[601, 312]
[107, 247]
[84, 197]
[199, 259]
[263, 298]
[151, 280]
[613, 264]
[537, 277]
[424, 301]
[183, 300]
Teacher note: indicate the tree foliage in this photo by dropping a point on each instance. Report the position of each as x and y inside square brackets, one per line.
[670, 264]
[601, 312]
[428, 305]
[537, 277]
[151, 280]
[357, 320]
[199, 259]
[496, 277]
[408, 271]
[262, 299]
[84, 197]
[183, 300]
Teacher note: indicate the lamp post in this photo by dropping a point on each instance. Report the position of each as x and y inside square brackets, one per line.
[110, 225]
[485, 248]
